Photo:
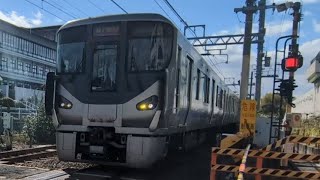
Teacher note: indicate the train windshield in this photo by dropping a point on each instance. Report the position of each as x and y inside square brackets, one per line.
[104, 67]
[71, 50]
[149, 46]
[71, 57]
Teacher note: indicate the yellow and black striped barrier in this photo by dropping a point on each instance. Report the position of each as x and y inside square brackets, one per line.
[266, 154]
[292, 139]
[267, 172]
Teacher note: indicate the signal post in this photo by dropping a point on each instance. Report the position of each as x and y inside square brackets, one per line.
[297, 60]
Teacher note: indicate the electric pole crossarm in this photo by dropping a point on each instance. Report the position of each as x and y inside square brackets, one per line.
[255, 8]
[224, 40]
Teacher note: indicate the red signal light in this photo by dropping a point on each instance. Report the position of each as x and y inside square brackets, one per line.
[291, 63]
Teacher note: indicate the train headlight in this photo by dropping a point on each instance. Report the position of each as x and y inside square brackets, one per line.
[148, 104]
[64, 103]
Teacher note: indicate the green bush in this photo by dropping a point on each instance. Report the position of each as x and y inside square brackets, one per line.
[40, 128]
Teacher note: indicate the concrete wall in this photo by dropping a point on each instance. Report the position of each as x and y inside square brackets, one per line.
[307, 104]
[25, 93]
[36, 96]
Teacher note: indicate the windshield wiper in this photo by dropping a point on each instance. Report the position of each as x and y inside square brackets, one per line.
[78, 66]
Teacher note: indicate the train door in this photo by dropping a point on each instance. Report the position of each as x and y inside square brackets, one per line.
[189, 86]
[178, 81]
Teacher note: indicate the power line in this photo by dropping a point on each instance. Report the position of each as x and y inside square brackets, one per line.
[163, 10]
[60, 9]
[119, 6]
[46, 11]
[186, 25]
[57, 4]
[96, 6]
[175, 12]
[76, 8]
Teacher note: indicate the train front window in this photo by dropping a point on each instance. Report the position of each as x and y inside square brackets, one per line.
[71, 57]
[71, 49]
[149, 46]
[104, 68]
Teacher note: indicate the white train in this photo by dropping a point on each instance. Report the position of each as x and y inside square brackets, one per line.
[128, 87]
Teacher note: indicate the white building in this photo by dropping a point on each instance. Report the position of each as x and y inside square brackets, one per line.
[309, 103]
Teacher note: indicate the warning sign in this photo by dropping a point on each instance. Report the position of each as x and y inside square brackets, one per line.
[248, 117]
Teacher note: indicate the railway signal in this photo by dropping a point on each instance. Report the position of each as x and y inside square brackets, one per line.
[267, 61]
[286, 88]
[292, 63]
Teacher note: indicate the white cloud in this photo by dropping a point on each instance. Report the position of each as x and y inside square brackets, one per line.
[272, 29]
[22, 21]
[37, 20]
[309, 50]
[276, 28]
[316, 26]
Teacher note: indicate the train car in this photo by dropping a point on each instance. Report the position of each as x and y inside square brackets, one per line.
[128, 87]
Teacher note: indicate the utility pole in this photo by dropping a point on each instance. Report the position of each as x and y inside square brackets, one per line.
[294, 50]
[249, 10]
[260, 54]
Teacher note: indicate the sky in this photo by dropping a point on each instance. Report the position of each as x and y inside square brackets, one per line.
[218, 16]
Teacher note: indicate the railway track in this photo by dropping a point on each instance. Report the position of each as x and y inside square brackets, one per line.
[11, 157]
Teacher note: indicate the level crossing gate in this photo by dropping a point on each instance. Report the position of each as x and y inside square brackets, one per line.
[260, 156]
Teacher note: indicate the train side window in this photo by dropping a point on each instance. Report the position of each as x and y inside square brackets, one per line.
[178, 78]
[220, 98]
[202, 89]
[190, 71]
[198, 84]
[232, 104]
[207, 95]
[227, 103]
[224, 103]
[217, 96]
[213, 86]
[224, 100]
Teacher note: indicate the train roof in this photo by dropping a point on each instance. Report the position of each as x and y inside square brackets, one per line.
[116, 18]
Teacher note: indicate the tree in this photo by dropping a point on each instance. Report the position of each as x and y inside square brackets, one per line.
[40, 127]
[266, 105]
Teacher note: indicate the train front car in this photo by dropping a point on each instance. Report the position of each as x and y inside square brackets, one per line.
[106, 97]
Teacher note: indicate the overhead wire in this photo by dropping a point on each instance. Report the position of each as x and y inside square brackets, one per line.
[164, 11]
[66, 1]
[186, 25]
[57, 4]
[59, 9]
[46, 10]
[119, 6]
[96, 6]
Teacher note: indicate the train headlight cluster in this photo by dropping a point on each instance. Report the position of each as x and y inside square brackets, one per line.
[148, 104]
[64, 103]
